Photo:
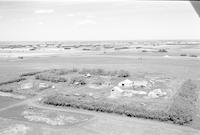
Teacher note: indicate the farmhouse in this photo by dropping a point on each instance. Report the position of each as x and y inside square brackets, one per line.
[126, 83]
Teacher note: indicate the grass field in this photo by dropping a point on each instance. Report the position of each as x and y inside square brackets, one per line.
[74, 90]
[141, 65]
[6, 101]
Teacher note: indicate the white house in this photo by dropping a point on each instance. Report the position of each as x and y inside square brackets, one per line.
[126, 83]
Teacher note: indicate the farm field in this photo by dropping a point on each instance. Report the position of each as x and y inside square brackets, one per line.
[78, 85]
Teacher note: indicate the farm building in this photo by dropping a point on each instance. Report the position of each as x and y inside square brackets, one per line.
[126, 83]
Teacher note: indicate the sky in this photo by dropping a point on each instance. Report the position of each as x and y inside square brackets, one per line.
[97, 20]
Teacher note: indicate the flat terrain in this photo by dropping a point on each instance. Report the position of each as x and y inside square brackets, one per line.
[136, 62]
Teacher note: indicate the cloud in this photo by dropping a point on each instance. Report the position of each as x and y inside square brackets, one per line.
[90, 16]
[40, 23]
[1, 17]
[74, 14]
[78, 0]
[22, 20]
[87, 21]
[85, 15]
[44, 11]
[71, 15]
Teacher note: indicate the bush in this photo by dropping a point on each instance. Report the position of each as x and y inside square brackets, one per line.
[30, 74]
[76, 46]
[121, 48]
[108, 46]
[59, 72]
[183, 54]
[162, 50]
[104, 105]
[74, 70]
[193, 55]
[94, 71]
[67, 48]
[12, 81]
[180, 112]
[86, 49]
[98, 81]
[123, 73]
[100, 72]
[63, 71]
[51, 78]
[113, 73]
[6, 89]
[85, 71]
[144, 50]
[183, 107]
